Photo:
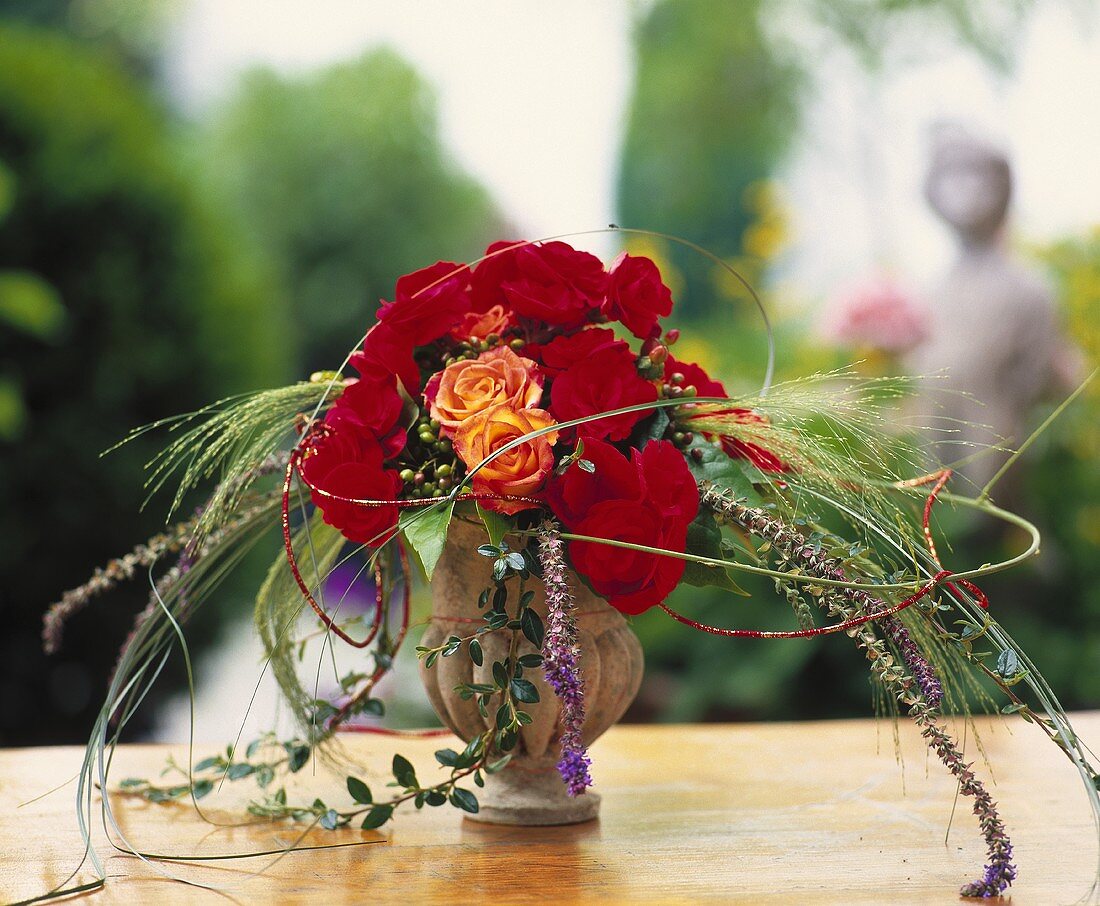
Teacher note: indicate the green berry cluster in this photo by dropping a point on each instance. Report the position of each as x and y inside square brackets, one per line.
[434, 468]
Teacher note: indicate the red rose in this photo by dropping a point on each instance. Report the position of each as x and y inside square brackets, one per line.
[348, 464]
[373, 405]
[428, 302]
[384, 352]
[553, 282]
[668, 481]
[649, 499]
[631, 581]
[561, 352]
[636, 296]
[489, 276]
[601, 382]
[576, 491]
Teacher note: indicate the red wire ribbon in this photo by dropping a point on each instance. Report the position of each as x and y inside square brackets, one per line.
[807, 633]
[940, 478]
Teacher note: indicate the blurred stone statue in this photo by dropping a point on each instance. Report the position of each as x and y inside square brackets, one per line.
[993, 343]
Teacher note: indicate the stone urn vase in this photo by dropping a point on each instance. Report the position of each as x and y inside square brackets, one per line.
[529, 791]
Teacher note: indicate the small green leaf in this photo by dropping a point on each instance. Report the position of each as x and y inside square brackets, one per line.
[202, 788]
[530, 660]
[425, 529]
[207, 763]
[359, 791]
[704, 539]
[330, 819]
[130, 782]
[474, 747]
[1008, 664]
[515, 560]
[447, 757]
[500, 675]
[297, 756]
[239, 770]
[464, 800]
[403, 771]
[524, 691]
[488, 550]
[496, 524]
[476, 654]
[531, 624]
[714, 465]
[499, 765]
[435, 797]
[377, 816]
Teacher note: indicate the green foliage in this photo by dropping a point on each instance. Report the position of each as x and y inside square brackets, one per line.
[29, 304]
[876, 30]
[713, 111]
[278, 606]
[704, 539]
[488, 753]
[425, 529]
[123, 299]
[1053, 606]
[133, 31]
[342, 181]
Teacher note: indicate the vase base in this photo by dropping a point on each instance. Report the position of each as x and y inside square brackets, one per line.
[534, 799]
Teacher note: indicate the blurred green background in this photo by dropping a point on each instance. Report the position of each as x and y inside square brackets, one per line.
[153, 259]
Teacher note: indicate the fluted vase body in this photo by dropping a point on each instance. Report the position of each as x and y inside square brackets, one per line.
[529, 790]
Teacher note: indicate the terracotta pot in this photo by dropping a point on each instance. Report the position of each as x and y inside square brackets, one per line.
[529, 790]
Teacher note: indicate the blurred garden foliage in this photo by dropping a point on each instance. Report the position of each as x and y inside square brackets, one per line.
[121, 302]
[139, 278]
[716, 107]
[341, 182]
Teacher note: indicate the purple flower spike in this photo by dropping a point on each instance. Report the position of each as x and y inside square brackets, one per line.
[560, 653]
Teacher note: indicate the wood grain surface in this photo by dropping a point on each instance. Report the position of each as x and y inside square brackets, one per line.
[750, 813]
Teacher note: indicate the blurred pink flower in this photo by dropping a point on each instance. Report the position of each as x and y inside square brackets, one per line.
[877, 315]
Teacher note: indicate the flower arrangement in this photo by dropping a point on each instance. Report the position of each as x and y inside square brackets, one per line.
[536, 394]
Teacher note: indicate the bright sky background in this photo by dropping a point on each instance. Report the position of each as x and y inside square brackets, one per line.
[532, 102]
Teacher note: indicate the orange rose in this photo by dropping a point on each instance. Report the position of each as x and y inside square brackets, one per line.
[522, 470]
[471, 386]
[478, 325]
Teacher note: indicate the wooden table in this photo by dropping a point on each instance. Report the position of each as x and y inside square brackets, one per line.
[753, 813]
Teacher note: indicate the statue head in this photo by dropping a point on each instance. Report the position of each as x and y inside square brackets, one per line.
[969, 183]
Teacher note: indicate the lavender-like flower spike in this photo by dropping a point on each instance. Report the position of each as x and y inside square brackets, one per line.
[913, 682]
[560, 655]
